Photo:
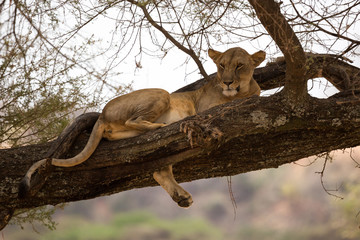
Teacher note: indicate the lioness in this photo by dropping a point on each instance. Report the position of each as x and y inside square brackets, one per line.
[143, 110]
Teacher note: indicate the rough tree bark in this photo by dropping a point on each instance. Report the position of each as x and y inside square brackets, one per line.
[238, 137]
[295, 89]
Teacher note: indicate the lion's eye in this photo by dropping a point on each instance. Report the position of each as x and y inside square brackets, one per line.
[222, 66]
[239, 66]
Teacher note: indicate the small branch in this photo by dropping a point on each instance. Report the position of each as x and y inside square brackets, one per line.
[337, 35]
[329, 192]
[353, 159]
[52, 45]
[2, 5]
[231, 194]
[188, 51]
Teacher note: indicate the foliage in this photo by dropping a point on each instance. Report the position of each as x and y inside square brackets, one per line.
[42, 215]
[43, 71]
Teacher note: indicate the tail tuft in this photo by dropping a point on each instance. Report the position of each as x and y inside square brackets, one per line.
[24, 187]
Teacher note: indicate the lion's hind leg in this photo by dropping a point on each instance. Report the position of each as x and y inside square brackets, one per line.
[166, 179]
[141, 124]
[132, 128]
[117, 135]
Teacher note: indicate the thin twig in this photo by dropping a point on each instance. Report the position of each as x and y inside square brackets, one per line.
[188, 51]
[352, 158]
[329, 192]
[231, 193]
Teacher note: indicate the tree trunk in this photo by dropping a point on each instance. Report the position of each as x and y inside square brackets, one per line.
[233, 138]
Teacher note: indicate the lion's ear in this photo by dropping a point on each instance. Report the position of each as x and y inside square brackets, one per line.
[214, 55]
[258, 57]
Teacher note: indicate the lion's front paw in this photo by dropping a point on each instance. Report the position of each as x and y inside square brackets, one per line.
[190, 129]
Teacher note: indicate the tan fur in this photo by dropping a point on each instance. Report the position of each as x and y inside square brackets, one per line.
[143, 110]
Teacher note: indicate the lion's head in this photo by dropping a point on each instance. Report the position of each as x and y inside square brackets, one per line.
[235, 69]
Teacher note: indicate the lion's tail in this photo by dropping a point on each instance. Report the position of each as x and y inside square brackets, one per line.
[91, 145]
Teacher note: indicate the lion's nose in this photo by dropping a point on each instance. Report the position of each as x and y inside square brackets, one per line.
[227, 83]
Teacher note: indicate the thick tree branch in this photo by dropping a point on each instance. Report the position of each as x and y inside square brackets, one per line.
[268, 12]
[242, 128]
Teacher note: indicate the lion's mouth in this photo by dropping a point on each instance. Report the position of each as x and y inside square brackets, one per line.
[231, 92]
[231, 89]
